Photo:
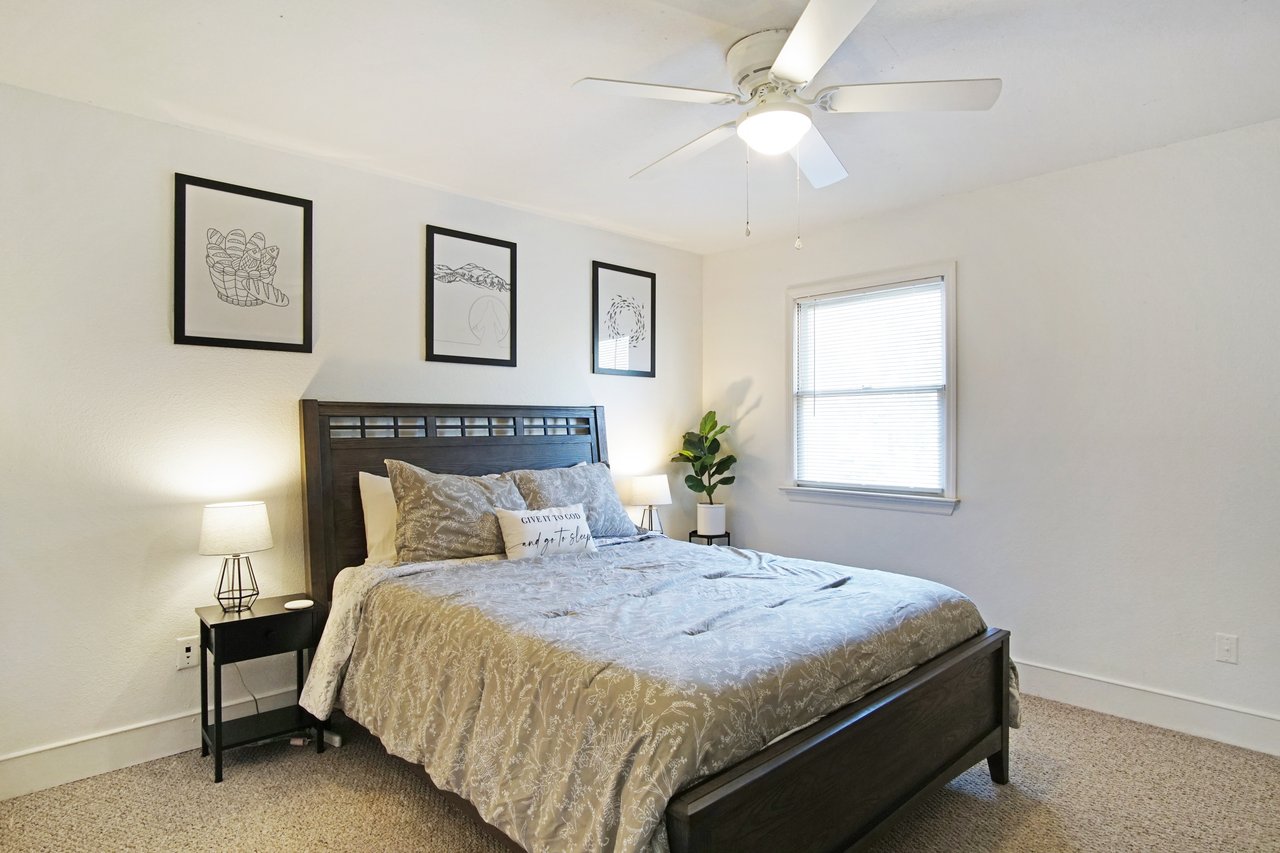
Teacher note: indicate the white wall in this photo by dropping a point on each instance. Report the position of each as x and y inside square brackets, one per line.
[1118, 393]
[112, 438]
[1119, 434]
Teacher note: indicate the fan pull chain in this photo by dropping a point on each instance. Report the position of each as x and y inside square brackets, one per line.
[799, 245]
[748, 147]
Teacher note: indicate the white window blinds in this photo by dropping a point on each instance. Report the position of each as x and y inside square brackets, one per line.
[871, 389]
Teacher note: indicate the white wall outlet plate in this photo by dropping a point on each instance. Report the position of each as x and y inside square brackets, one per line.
[188, 652]
[1226, 648]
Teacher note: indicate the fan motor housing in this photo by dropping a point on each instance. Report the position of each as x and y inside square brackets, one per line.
[750, 59]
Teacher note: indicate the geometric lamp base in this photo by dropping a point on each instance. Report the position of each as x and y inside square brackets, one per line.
[234, 593]
[650, 520]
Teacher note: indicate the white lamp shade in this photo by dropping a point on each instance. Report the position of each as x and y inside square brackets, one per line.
[650, 490]
[774, 127]
[235, 528]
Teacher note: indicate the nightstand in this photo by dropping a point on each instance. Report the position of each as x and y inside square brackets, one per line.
[710, 538]
[268, 628]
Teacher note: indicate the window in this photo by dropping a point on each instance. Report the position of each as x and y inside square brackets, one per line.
[874, 390]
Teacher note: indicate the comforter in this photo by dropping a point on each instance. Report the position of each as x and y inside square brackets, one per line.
[570, 697]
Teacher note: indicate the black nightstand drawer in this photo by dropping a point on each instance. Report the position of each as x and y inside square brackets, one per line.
[272, 635]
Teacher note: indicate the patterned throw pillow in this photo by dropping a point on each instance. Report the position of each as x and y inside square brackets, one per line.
[446, 516]
[539, 532]
[591, 485]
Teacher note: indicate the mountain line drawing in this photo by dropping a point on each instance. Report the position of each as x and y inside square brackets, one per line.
[472, 274]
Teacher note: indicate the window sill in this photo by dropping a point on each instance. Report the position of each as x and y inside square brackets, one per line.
[872, 500]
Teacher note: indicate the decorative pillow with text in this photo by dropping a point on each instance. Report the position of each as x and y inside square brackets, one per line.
[540, 532]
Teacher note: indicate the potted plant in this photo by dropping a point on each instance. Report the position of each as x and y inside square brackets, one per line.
[702, 450]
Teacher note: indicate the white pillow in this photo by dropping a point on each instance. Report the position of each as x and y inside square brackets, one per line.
[379, 505]
[539, 532]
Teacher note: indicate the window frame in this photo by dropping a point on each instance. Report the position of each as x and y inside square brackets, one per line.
[866, 283]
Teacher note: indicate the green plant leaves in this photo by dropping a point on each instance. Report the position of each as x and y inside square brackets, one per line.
[700, 450]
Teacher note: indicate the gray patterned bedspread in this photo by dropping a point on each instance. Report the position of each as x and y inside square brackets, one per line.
[570, 697]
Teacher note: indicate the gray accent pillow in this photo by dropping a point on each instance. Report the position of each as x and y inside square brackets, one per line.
[446, 516]
[590, 485]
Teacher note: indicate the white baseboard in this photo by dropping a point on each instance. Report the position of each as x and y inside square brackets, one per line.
[1254, 730]
[59, 763]
[79, 758]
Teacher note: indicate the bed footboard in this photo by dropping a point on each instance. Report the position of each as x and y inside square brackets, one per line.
[837, 784]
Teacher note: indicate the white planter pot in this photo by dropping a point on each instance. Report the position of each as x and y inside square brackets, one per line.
[710, 519]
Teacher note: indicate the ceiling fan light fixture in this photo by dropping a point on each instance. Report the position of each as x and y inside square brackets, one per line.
[774, 126]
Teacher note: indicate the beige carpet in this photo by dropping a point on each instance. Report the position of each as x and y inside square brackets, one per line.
[1080, 782]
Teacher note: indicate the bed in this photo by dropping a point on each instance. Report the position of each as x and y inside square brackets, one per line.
[830, 785]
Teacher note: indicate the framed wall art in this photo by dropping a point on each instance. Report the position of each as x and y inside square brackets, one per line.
[622, 320]
[241, 267]
[471, 298]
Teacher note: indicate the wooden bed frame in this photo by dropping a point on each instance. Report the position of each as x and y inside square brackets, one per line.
[834, 785]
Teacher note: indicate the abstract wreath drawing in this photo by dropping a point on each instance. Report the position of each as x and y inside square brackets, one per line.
[625, 319]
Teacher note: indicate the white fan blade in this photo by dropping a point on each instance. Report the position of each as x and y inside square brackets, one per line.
[653, 90]
[818, 162]
[905, 97]
[823, 27]
[693, 149]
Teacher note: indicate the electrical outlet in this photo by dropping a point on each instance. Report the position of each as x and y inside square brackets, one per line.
[1226, 648]
[188, 652]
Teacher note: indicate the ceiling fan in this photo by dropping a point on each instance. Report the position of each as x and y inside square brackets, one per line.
[772, 69]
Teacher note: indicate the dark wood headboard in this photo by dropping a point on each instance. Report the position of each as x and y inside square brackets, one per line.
[339, 440]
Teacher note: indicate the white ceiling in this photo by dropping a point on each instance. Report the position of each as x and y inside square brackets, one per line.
[474, 96]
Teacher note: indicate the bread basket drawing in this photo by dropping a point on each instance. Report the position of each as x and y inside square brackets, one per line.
[242, 269]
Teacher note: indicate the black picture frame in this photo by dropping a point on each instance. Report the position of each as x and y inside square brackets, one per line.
[212, 293]
[471, 306]
[629, 314]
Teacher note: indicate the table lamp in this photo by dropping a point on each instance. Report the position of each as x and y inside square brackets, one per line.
[650, 491]
[231, 530]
